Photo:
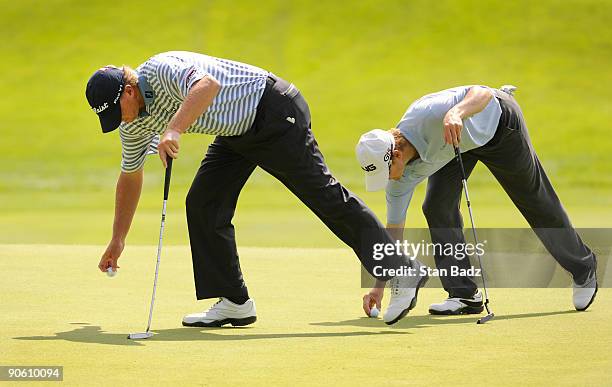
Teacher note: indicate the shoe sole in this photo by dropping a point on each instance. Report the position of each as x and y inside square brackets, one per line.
[460, 311]
[592, 299]
[413, 303]
[236, 322]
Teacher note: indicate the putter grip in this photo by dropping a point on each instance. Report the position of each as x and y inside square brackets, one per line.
[167, 177]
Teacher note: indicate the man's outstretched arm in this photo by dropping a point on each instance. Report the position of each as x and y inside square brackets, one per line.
[375, 295]
[129, 186]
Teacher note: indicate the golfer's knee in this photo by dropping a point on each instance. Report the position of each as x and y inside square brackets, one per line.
[441, 214]
[434, 211]
[210, 215]
[196, 200]
[191, 203]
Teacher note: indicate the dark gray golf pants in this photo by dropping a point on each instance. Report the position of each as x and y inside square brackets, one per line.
[512, 160]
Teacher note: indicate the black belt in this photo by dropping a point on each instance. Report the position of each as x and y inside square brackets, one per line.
[281, 86]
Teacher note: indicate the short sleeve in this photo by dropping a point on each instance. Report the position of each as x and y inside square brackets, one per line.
[177, 76]
[135, 148]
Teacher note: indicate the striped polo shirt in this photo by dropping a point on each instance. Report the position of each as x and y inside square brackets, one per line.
[164, 81]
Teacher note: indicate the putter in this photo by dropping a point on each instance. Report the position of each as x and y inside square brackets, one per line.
[490, 314]
[146, 334]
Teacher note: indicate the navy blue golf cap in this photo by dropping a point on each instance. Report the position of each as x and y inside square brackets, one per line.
[103, 91]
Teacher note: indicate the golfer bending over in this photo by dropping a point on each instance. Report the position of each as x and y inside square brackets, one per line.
[488, 125]
[258, 120]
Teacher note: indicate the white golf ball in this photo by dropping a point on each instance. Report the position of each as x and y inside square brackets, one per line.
[374, 312]
[110, 272]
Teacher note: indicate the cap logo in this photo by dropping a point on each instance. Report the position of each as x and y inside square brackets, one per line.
[118, 95]
[387, 156]
[100, 109]
[369, 168]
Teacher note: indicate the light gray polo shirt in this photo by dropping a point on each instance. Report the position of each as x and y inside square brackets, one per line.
[422, 126]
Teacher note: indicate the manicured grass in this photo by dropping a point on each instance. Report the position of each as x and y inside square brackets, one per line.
[359, 67]
[267, 214]
[61, 311]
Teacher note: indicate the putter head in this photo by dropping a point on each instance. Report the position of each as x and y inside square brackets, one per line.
[140, 335]
[485, 318]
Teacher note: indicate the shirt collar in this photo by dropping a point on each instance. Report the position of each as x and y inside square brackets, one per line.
[148, 94]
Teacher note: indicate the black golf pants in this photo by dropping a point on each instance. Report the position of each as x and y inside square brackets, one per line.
[281, 142]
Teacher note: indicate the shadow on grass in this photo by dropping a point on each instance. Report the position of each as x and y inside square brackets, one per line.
[91, 334]
[429, 320]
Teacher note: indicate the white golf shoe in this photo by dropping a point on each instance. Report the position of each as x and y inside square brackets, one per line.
[223, 312]
[404, 292]
[585, 294]
[456, 305]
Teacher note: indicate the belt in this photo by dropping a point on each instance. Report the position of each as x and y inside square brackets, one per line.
[283, 87]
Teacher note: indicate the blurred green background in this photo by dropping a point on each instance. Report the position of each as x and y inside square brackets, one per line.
[359, 64]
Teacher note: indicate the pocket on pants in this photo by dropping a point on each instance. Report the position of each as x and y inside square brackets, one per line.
[302, 109]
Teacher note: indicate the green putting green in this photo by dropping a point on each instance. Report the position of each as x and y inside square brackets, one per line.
[359, 66]
[310, 328]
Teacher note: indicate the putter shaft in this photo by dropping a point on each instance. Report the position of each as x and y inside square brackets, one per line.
[147, 333]
[490, 314]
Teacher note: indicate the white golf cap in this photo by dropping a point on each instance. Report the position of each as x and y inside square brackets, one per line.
[374, 151]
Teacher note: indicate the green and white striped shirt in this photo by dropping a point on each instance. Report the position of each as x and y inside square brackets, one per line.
[164, 81]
